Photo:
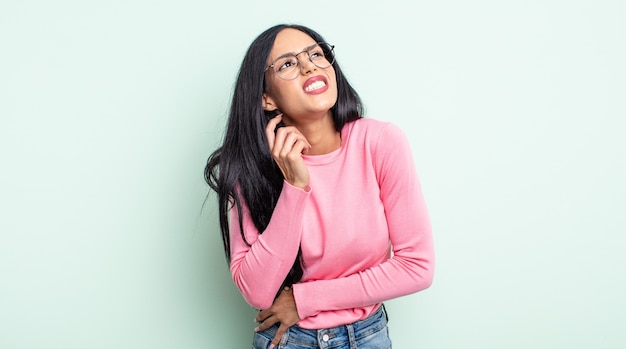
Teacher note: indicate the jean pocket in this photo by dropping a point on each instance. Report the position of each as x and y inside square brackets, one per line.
[378, 339]
[261, 341]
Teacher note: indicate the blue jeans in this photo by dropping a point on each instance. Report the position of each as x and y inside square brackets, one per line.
[369, 333]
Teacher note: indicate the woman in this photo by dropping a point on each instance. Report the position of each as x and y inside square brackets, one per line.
[321, 210]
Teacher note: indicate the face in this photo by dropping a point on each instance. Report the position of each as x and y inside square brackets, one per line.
[311, 94]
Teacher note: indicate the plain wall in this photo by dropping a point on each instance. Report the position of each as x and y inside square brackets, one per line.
[515, 111]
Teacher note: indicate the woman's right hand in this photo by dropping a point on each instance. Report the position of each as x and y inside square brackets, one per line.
[287, 146]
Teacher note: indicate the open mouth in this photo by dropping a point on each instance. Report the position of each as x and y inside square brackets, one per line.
[315, 86]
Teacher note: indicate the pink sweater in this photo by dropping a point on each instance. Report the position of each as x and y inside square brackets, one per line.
[363, 227]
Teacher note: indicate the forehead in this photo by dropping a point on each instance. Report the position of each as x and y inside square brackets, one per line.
[290, 40]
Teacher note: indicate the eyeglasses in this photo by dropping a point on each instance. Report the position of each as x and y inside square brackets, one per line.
[287, 66]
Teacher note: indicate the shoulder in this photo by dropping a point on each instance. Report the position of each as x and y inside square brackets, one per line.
[372, 132]
[368, 124]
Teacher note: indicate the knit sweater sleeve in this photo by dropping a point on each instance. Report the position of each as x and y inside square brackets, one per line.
[410, 269]
[259, 267]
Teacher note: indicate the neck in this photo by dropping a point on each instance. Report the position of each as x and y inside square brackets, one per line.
[320, 133]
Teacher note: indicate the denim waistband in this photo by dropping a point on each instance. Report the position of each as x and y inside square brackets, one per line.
[333, 337]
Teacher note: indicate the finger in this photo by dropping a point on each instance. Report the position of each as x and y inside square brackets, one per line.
[299, 148]
[271, 126]
[279, 334]
[278, 141]
[288, 143]
[294, 130]
[267, 323]
[302, 147]
[262, 315]
[287, 139]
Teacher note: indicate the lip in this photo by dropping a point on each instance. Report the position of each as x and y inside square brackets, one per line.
[312, 80]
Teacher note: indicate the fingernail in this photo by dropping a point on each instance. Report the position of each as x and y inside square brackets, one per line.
[272, 346]
[256, 329]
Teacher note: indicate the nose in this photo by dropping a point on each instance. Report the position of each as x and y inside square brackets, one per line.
[306, 66]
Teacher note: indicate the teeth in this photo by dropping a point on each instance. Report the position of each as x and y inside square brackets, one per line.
[314, 86]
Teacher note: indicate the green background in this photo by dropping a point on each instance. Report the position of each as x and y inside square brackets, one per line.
[515, 111]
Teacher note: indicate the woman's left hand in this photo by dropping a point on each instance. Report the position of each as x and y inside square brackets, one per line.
[284, 311]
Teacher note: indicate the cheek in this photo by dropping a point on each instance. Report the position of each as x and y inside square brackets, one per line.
[334, 80]
[271, 85]
[335, 89]
[284, 90]
[277, 91]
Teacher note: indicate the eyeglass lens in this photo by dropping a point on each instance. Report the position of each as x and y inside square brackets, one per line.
[288, 67]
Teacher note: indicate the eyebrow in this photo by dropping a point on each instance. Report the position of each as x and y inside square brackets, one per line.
[295, 54]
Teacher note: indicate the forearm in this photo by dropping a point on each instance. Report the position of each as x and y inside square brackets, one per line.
[407, 272]
[258, 269]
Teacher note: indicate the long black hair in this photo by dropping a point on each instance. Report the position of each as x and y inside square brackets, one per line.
[242, 168]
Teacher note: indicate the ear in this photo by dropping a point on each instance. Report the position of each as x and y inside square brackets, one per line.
[268, 103]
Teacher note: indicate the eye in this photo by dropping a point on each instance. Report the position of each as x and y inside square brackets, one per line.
[316, 54]
[287, 63]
